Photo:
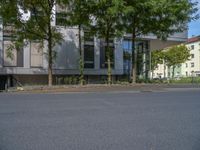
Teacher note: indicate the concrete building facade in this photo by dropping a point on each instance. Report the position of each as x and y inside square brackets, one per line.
[29, 64]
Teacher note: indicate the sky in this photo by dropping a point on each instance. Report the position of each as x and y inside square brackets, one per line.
[194, 26]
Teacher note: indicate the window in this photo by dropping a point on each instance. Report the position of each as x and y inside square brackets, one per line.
[192, 47]
[13, 57]
[186, 65]
[8, 33]
[36, 55]
[186, 73]
[20, 58]
[111, 58]
[127, 50]
[88, 50]
[88, 56]
[103, 54]
[127, 45]
[62, 15]
[61, 19]
[192, 55]
[10, 57]
[192, 65]
[88, 38]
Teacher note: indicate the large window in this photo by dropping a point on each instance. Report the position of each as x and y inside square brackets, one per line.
[88, 50]
[104, 54]
[61, 15]
[143, 57]
[127, 50]
[88, 56]
[10, 54]
[112, 49]
[12, 57]
[61, 19]
[36, 55]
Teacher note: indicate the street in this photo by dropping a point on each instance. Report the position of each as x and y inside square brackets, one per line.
[101, 121]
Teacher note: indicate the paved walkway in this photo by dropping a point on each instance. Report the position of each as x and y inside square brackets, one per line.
[106, 88]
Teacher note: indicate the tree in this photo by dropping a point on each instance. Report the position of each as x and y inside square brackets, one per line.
[160, 17]
[156, 59]
[80, 15]
[176, 55]
[108, 24]
[37, 27]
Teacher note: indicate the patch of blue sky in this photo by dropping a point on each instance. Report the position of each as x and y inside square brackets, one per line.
[194, 26]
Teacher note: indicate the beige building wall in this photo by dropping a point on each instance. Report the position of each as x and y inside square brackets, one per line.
[189, 68]
[192, 66]
[160, 72]
[159, 45]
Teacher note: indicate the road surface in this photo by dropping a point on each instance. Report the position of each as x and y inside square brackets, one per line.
[101, 121]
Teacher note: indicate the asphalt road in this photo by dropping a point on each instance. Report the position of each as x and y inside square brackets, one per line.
[101, 121]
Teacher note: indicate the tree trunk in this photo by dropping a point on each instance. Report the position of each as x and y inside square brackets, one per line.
[152, 74]
[168, 71]
[164, 70]
[81, 65]
[50, 57]
[108, 61]
[173, 69]
[134, 58]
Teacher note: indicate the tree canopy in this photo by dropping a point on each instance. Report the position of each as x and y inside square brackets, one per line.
[159, 17]
[177, 55]
[156, 58]
[107, 19]
[108, 24]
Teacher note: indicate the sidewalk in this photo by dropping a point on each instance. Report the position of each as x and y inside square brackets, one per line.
[104, 88]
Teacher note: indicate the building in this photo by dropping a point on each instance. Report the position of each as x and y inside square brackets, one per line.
[29, 64]
[188, 69]
[192, 66]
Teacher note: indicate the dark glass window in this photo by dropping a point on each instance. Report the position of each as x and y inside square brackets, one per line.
[192, 65]
[88, 50]
[9, 33]
[127, 50]
[104, 56]
[88, 37]
[127, 45]
[61, 19]
[111, 58]
[88, 56]
[20, 58]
